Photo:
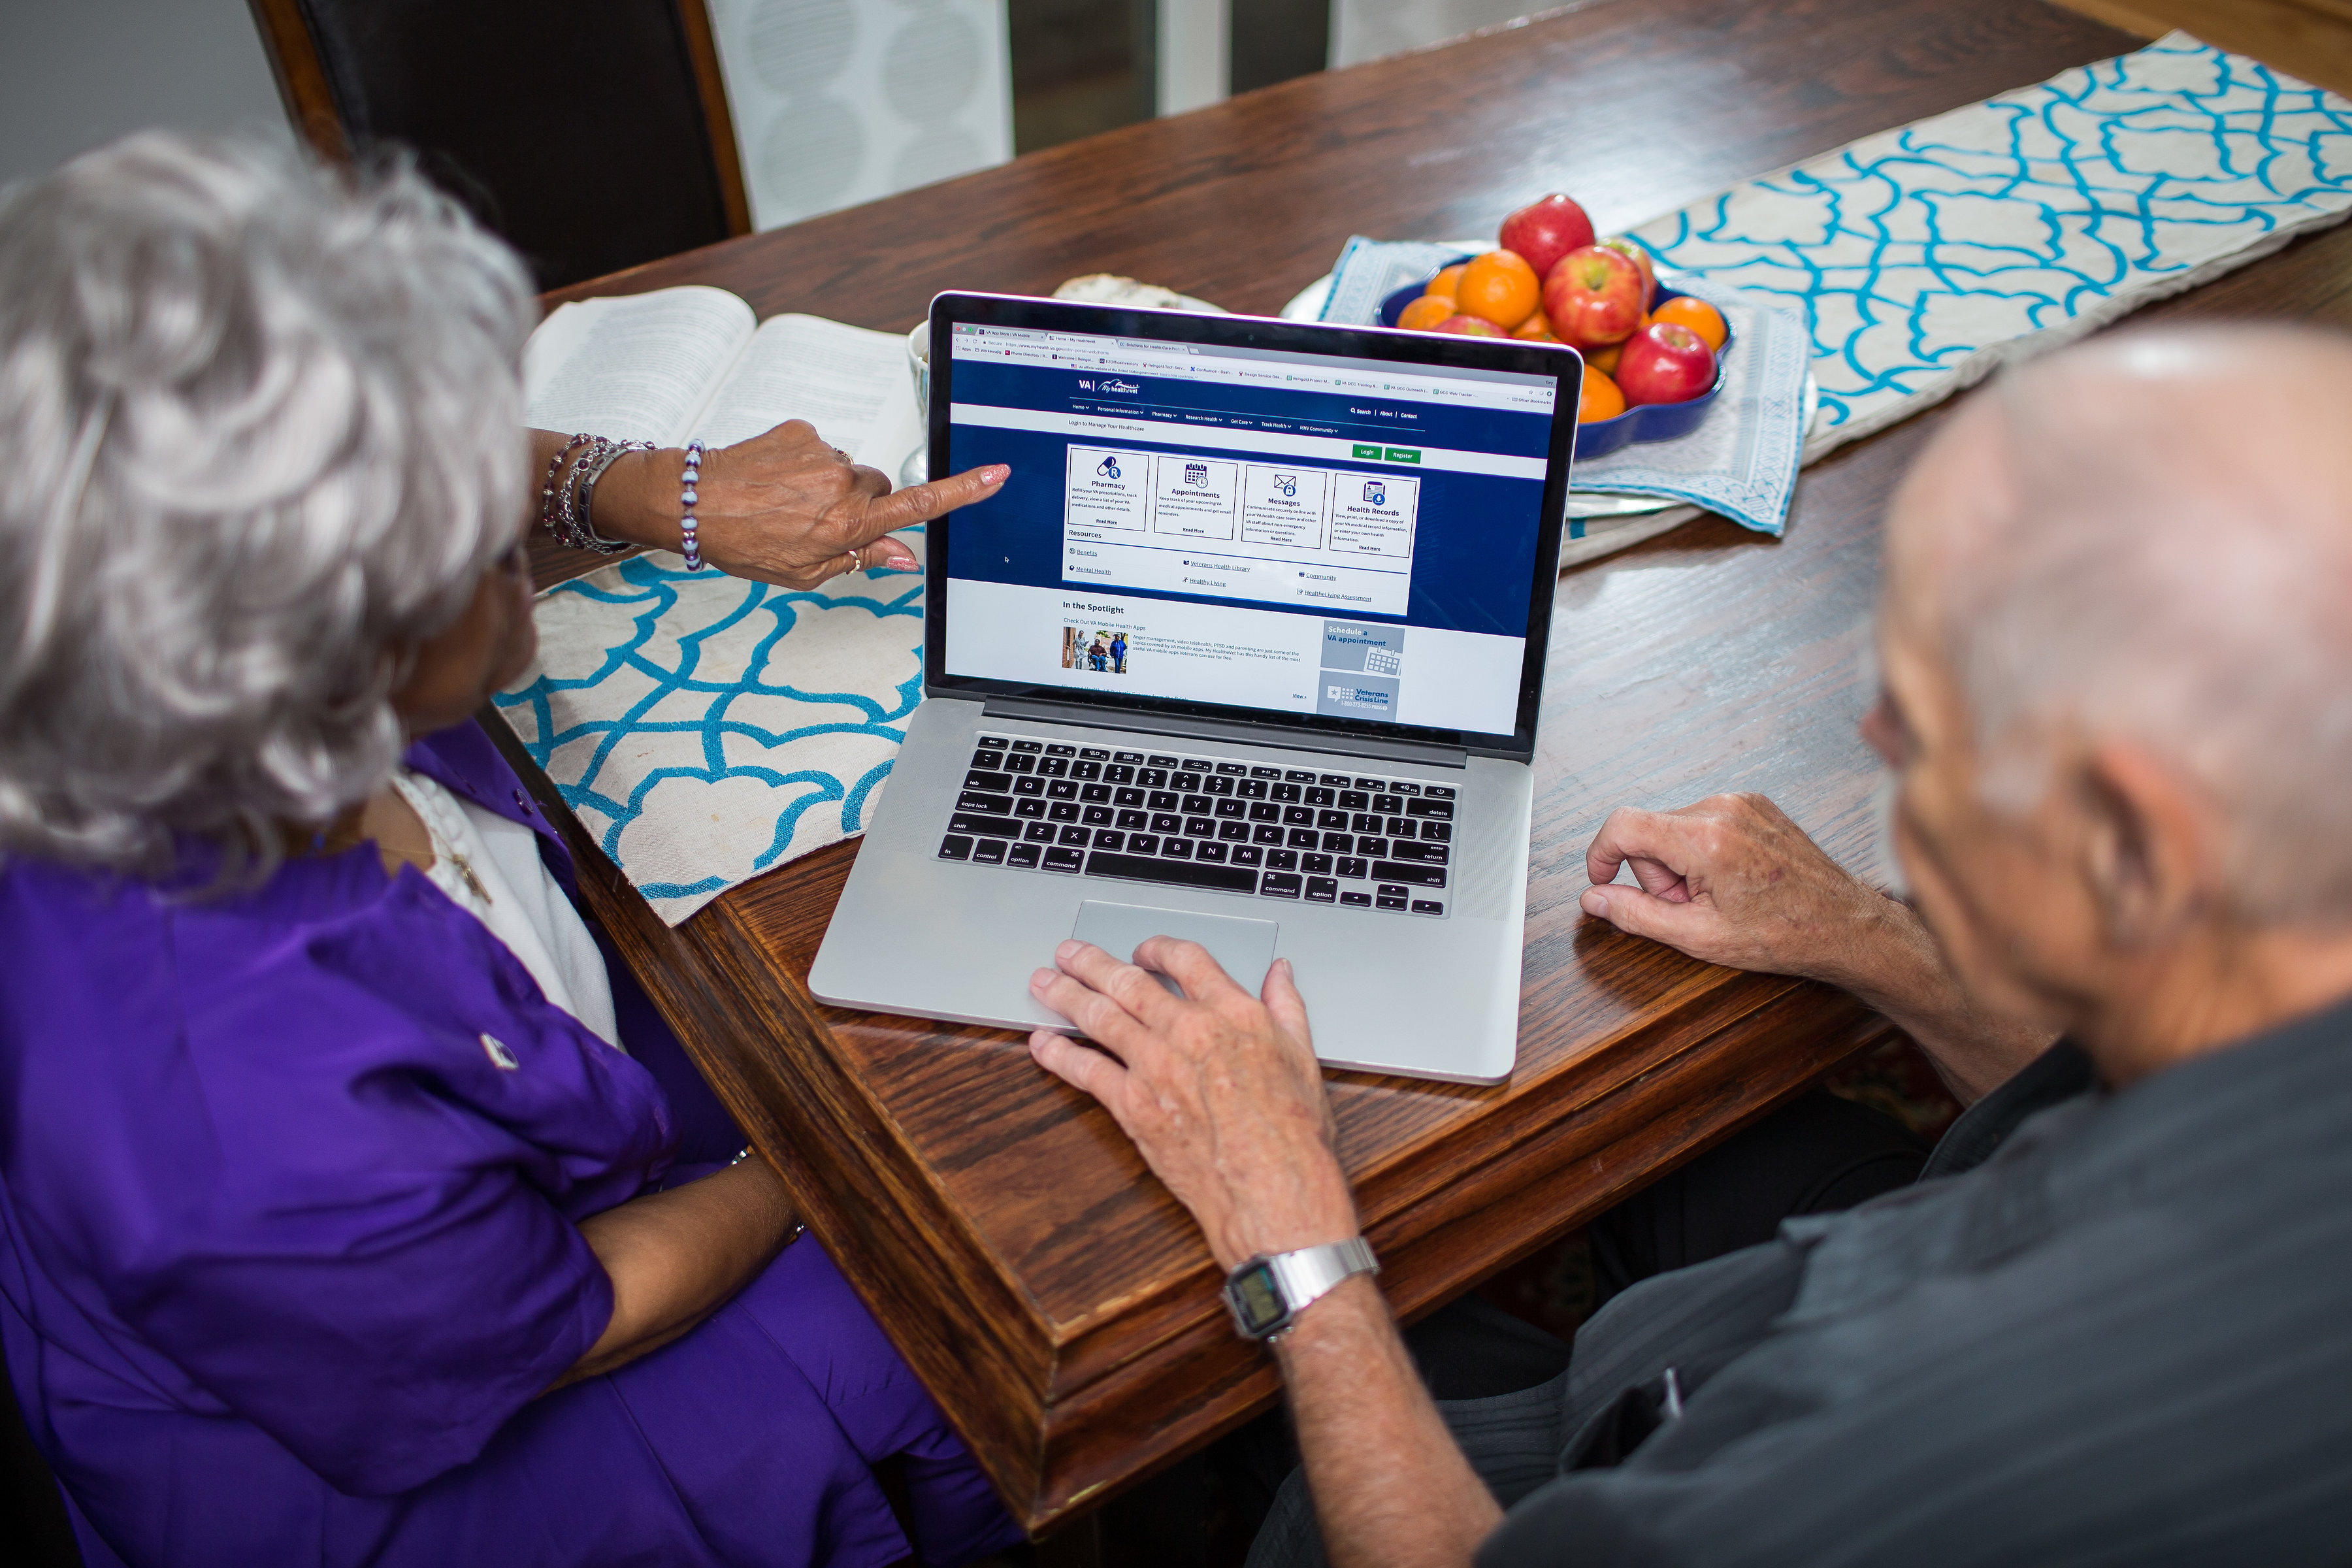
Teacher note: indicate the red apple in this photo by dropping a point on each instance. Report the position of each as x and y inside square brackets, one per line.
[1544, 231]
[1470, 327]
[1664, 363]
[1593, 296]
[1641, 259]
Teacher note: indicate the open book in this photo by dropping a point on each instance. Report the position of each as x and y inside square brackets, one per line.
[680, 362]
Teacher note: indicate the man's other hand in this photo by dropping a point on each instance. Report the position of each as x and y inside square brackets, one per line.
[1733, 881]
[1219, 1090]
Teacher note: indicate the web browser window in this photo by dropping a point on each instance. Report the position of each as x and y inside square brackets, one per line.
[1296, 532]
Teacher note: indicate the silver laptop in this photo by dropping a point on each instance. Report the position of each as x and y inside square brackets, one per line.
[1248, 650]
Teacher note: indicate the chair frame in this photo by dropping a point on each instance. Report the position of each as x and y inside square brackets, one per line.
[310, 104]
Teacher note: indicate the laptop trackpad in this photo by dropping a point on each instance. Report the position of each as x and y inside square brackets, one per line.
[1245, 947]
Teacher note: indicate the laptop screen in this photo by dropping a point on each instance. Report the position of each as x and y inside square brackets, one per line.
[1270, 529]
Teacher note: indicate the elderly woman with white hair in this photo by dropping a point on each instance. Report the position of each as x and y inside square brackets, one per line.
[357, 1207]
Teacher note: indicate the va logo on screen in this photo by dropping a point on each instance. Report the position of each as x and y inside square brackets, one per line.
[1288, 484]
[1376, 493]
[1108, 467]
[1197, 474]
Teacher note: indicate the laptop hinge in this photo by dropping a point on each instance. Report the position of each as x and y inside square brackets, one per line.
[1217, 730]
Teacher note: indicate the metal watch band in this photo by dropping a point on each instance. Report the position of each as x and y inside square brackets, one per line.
[1303, 1277]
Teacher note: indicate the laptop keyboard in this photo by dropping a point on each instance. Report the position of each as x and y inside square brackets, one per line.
[1196, 821]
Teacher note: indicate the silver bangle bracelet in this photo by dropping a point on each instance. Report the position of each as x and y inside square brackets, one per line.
[591, 471]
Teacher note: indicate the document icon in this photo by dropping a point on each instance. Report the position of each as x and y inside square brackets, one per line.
[1376, 492]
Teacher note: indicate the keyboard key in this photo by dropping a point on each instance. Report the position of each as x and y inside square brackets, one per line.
[1265, 811]
[1134, 819]
[985, 760]
[1247, 855]
[1389, 901]
[1018, 763]
[1126, 797]
[1365, 822]
[1314, 865]
[1333, 781]
[1417, 875]
[1107, 838]
[1371, 784]
[1080, 836]
[1265, 772]
[1374, 847]
[1278, 885]
[1299, 776]
[1171, 873]
[1357, 901]
[977, 822]
[1038, 833]
[1061, 859]
[1322, 891]
[1427, 854]
[1401, 787]
[1401, 826]
[1208, 851]
[1176, 849]
[1196, 765]
[1167, 822]
[1095, 754]
[1233, 770]
[1339, 843]
[1029, 810]
[1094, 794]
[988, 852]
[1086, 773]
[1197, 806]
[1234, 832]
[1427, 907]
[1028, 786]
[1054, 768]
[1061, 750]
[1302, 838]
[993, 743]
[1095, 816]
[1355, 868]
[955, 846]
[1265, 833]
[1438, 832]
[1322, 796]
[1186, 780]
[1298, 816]
[1288, 794]
[1331, 821]
[1118, 775]
[1143, 844]
[1234, 809]
[1161, 762]
[1200, 828]
[1127, 756]
[1389, 805]
[1354, 800]
[1062, 811]
[1281, 859]
[991, 804]
[1437, 792]
[1162, 800]
[1443, 810]
[1021, 855]
[1031, 746]
[1061, 789]
[1251, 789]
[1152, 778]
[1220, 786]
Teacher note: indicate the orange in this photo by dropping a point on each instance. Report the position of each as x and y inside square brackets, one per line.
[1605, 360]
[1601, 400]
[1698, 315]
[1442, 287]
[1498, 287]
[1536, 329]
[1420, 315]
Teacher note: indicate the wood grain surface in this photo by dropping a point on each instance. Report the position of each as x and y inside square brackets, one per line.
[1049, 1291]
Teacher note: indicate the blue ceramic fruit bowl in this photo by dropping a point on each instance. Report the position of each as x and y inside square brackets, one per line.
[1646, 422]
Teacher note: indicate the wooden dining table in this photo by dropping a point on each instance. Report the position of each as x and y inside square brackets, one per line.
[1049, 1291]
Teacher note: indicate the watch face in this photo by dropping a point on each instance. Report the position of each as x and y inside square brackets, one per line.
[1257, 1306]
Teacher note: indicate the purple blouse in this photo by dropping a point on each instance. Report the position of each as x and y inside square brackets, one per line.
[291, 1254]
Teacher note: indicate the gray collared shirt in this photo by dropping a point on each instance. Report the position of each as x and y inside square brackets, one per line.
[2125, 1337]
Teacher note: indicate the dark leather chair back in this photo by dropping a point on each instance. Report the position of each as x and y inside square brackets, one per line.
[593, 134]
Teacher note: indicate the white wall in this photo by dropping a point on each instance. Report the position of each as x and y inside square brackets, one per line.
[75, 73]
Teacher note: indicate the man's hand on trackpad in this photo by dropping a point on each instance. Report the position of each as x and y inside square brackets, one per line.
[1733, 881]
[1219, 1090]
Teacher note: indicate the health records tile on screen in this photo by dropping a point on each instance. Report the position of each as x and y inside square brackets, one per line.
[1296, 532]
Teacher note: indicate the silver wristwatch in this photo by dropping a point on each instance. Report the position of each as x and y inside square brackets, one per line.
[1266, 1294]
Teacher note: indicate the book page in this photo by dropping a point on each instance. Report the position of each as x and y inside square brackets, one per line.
[635, 368]
[854, 385]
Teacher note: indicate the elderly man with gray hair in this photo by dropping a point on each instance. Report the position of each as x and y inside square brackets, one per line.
[2109, 1322]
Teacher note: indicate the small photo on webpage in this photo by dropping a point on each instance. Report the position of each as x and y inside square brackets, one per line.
[1094, 650]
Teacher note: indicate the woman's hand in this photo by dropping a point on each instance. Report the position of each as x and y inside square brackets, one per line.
[782, 508]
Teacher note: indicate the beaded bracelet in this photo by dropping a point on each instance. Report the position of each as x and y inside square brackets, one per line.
[686, 499]
[561, 507]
